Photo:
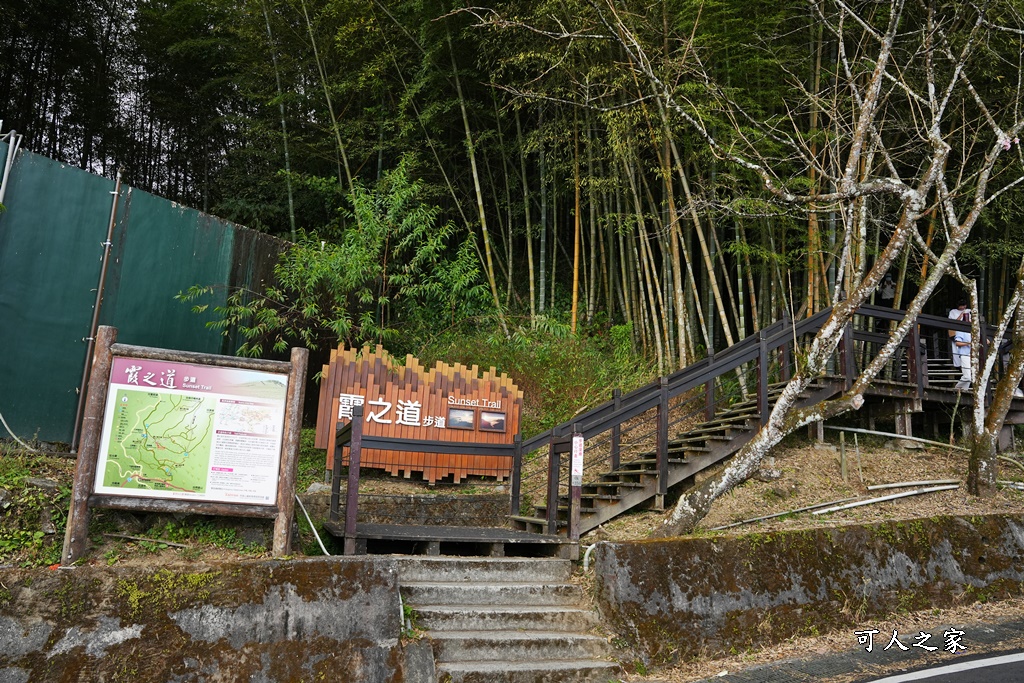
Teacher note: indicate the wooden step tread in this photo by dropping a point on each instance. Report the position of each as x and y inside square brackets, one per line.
[601, 496]
[621, 484]
[612, 484]
[698, 439]
[565, 508]
[685, 448]
[650, 461]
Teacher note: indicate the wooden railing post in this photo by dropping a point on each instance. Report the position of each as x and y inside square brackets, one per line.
[846, 359]
[336, 480]
[554, 467]
[709, 390]
[616, 431]
[352, 493]
[787, 351]
[575, 484]
[517, 474]
[982, 357]
[762, 377]
[292, 433]
[915, 373]
[76, 536]
[662, 442]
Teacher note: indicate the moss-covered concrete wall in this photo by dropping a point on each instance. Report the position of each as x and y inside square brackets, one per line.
[326, 619]
[426, 510]
[677, 597]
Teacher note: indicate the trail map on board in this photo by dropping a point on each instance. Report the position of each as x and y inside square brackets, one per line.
[160, 442]
[191, 431]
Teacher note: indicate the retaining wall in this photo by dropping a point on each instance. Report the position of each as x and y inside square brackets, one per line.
[679, 597]
[306, 620]
[423, 510]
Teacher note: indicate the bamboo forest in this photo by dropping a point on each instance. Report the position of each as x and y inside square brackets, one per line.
[679, 172]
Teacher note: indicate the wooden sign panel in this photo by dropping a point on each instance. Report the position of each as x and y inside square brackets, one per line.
[176, 431]
[448, 404]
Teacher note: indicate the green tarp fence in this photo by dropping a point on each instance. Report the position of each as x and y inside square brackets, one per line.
[51, 246]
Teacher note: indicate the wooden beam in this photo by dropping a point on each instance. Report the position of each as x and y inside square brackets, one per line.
[76, 536]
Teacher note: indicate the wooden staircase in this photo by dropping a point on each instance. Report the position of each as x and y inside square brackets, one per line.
[635, 482]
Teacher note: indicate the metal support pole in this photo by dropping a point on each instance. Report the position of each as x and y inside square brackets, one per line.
[91, 339]
[352, 492]
[13, 142]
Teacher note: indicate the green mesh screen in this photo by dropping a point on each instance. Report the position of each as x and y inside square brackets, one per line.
[51, 246]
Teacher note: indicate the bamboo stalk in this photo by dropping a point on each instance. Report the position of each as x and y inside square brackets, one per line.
[882, 499]
[782, 514]
[904, 484]
[896, 436]
[143, 539]
[1011, 461]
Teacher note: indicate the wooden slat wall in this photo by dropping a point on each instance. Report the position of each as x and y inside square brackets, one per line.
[375, 375]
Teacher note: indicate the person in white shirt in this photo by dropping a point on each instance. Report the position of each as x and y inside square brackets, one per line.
[962, 345]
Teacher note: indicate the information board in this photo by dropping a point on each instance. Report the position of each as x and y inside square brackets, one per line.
[197, 432]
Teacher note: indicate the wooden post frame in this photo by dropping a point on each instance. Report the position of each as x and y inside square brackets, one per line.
[662, 456]
[554, 468]
[709, 391]
[355, 455]
[517, 476]
[230, 480]
[616, 442]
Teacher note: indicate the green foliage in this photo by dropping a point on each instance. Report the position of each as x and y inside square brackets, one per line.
[311, 463]
[32, 523]
[560, 375]
[206, 533]
[396, 272]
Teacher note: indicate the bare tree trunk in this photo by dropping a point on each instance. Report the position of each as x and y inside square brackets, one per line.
[982, 466]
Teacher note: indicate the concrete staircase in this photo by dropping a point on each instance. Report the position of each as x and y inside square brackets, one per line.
[505, 620]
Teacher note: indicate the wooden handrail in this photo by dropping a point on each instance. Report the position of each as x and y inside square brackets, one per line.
[777, 335]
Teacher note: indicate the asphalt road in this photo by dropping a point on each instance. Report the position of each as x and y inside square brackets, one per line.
[992, 653]
[1007, 668]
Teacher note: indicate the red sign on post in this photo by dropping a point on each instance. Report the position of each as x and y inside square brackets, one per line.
[448, 404]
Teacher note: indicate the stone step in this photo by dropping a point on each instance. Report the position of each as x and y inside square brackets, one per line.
[490, 593]
[436, 618]
[562, 671]
[510, 645]
[482, 569]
